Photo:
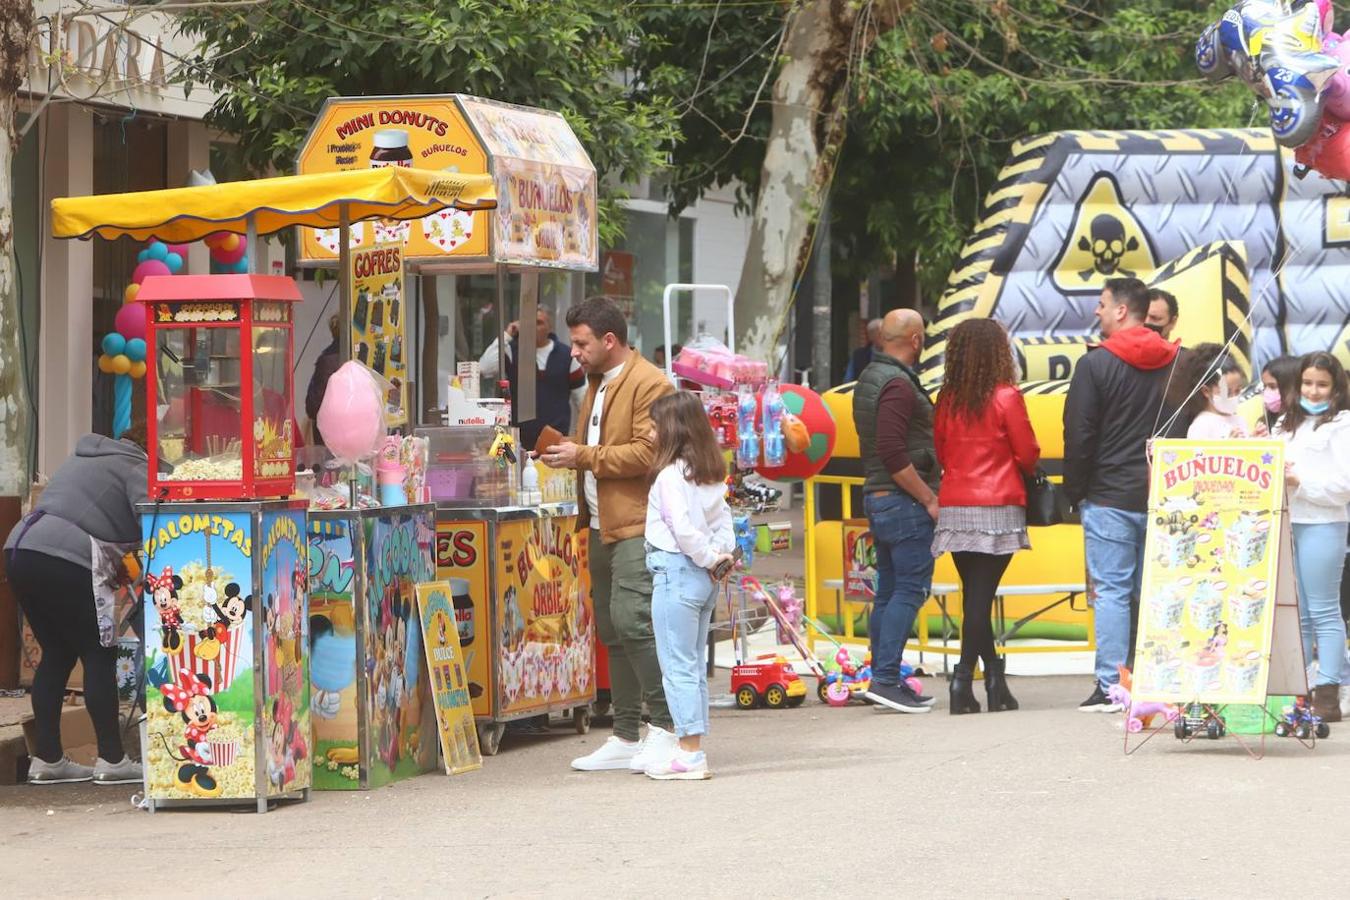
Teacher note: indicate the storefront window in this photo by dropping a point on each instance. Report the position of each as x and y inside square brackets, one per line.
[656, 250]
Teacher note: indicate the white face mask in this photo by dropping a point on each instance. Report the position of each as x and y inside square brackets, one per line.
[1222, 402]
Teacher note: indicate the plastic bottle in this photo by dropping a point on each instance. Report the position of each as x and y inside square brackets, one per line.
[530, 495]
[775, 450]
[747, 438]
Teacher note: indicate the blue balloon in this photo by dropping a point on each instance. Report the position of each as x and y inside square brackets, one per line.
[241, 267]
[174, 262]
[158, 250]
[114, 344]
[142, 256]
[135, 350]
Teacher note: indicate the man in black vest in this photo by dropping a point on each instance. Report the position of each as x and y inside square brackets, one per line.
[558, 381]
[894, 418]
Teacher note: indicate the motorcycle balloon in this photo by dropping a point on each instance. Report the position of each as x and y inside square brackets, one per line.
[1329, 150]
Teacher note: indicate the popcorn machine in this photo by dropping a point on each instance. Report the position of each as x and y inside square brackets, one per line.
[219, 386]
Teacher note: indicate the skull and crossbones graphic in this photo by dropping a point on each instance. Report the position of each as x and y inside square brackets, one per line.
[1108, 246]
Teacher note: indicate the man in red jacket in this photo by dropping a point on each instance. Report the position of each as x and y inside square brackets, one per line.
[1113, 408]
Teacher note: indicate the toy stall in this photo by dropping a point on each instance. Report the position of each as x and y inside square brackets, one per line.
[506, 536]
[227, 557]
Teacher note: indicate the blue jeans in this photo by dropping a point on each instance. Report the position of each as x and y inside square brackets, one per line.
[1319, 557]
[683, 597]
[902, 533]
[1114, 540]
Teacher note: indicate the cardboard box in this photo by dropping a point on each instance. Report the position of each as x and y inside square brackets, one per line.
[774, 537]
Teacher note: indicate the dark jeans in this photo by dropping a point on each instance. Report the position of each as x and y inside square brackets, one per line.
[980, 574]
[57, 598]
[902, 532]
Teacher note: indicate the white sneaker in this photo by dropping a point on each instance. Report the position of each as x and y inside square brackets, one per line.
[125, 772]
[614, 753]
[63, 771]
[657, 747]
[681, 767]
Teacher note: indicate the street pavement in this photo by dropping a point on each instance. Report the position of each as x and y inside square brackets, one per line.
[809, 802]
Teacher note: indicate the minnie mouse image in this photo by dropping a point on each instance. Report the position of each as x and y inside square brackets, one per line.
[164, 594]
[191, 698]
[287, 745]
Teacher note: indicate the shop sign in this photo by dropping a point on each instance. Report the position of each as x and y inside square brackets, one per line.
[379, 319]
[449, 681]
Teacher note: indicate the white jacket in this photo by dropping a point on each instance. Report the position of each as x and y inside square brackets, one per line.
[1320, 458]
[688, 518]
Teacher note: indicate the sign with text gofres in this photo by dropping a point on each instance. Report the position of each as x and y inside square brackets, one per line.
[379, 322]
[1218, 618]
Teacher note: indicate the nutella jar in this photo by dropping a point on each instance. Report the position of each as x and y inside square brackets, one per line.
[391, 149]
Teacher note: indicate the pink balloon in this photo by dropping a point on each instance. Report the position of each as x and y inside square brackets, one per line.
[227, 257]
[1337, 91]
[130, 321]
[148, 268]
[351, 415]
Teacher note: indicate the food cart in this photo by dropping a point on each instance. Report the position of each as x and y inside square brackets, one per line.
[227, 612]
[517, 566]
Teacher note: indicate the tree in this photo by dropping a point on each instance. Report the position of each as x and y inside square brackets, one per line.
[275, 63]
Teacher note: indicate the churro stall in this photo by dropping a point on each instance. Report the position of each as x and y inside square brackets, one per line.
[506, 536]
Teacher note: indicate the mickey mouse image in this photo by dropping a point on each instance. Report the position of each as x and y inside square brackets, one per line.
[191, 698]
[229, 616]
[164, 594]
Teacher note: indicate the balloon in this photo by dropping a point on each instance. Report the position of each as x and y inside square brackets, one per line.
[808, 412]
[148, 268]
[142, 256]
[114, 343]
[105, 364]
[351, 415]
[221, 254]
[130, 293]
[241, 267]
[180, 249]
[137, 370]
[1329, 150]
[229, 243]
[130, 321]
[214, 238]
[120, 364]
[174, 262]
[157, 250]
[1338, 88]
[134, 349]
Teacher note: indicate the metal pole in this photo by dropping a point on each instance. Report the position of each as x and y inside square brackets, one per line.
[502, 276]
[822, 333]
[344, 283]
[251, 234]
[524, 391]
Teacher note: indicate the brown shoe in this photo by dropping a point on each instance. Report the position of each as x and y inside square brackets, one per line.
[1327, 702]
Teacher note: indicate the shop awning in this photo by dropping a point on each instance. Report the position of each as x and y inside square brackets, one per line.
[182, 215]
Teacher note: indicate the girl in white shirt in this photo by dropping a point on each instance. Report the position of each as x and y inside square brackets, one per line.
[1213, 404]
[689, 535]
[1316, 430]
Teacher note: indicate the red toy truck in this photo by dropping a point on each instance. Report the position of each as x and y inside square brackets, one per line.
[771, 680]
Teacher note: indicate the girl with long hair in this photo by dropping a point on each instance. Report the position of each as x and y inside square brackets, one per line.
[1208, 400]
[1316, 429]
[1280, 387]
[986, 446]
[689, 544]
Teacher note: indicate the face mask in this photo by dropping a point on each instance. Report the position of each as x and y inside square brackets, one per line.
[1314, 409]
[1222, 402]
[1271, 398]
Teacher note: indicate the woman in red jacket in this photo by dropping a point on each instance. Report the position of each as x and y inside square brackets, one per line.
[986, 446]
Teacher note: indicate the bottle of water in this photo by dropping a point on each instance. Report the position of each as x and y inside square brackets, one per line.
[747, 438]
[775, 450]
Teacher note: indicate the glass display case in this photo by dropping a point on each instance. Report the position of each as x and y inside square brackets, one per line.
[463, 472]
[219, 386]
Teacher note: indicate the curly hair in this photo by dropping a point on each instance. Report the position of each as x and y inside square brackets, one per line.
[979, 359]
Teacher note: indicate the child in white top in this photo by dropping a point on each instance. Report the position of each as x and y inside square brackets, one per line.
[1213, 403]
[689, 536]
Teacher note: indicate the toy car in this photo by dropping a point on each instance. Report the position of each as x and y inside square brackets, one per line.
[770, 680]
[1196, 720]
[1300, 721]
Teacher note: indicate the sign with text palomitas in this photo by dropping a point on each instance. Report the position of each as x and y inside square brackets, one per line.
[1211, 589]
[544, 178]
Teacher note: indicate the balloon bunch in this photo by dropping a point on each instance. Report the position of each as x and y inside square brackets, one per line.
[229, 253]
[1287, 53]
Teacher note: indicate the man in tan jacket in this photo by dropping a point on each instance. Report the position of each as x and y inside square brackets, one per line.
[612, 452]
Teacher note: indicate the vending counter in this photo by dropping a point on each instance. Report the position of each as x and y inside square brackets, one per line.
[374, 722]
[522, 598]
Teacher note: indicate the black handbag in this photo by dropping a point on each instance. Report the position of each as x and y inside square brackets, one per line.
[1046, 503]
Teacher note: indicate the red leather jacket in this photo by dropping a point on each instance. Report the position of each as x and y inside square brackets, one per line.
[985, 457]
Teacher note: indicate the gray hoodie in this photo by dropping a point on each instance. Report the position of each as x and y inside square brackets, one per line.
[93, 494]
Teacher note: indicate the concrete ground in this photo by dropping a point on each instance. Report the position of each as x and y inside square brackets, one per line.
[807, 802]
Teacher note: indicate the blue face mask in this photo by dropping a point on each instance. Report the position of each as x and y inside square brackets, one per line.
[1313, 409]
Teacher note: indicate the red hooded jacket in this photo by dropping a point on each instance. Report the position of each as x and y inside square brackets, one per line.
[986, 456]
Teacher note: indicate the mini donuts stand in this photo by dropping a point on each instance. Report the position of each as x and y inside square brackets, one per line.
[508, 546]
[228, 557]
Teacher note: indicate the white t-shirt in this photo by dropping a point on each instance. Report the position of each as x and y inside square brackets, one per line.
[1212, 426]
[593, 438]
[688, 518]
[1320, 458]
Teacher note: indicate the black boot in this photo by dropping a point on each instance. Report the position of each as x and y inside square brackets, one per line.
[996, 688]
[961, 696]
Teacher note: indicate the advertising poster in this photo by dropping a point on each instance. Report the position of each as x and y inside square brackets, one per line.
[860, 561]
[199, 630]
[285, 612]
[399, 717]
[545, 624]
[462, 560]
[1209, 596]
[379, 322]
[423, 133]
[449, 681]
[332, 655]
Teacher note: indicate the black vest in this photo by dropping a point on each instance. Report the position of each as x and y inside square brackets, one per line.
[880, 372]
[552, 392]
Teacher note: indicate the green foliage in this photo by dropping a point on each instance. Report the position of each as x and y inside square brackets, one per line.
[276, 62]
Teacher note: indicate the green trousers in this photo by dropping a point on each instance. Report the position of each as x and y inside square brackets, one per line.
[621, 588]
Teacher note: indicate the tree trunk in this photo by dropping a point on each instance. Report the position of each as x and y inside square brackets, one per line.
[16, 35]
[810, 103]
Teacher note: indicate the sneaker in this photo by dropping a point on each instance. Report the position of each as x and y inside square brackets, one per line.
[657, 747]
[897, 697]
[921, 699]
[1099, 702]
[681, 767]
[124, 772]
[614, 753]
[63, 771]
